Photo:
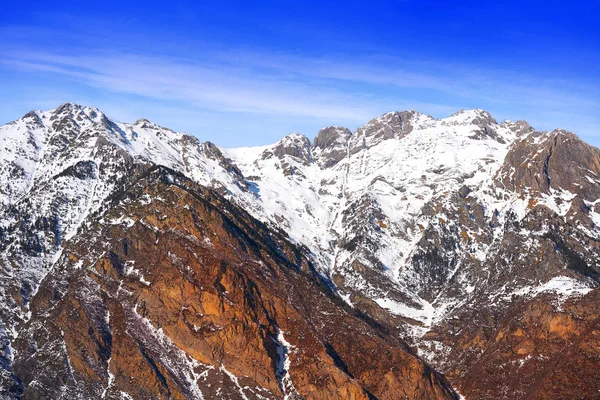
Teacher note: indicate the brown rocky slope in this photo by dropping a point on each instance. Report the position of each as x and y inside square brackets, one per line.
[173, 292]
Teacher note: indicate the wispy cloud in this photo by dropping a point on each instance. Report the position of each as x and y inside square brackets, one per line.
[336, 88]
[226, 88]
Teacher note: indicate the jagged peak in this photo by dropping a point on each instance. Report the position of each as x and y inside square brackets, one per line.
[395, 124]
[144, 123]
[542, 136]
[33, 115]
[294, 137]
[561, 131]
[210, 147]
[519, 127]
[547, 161]
[75, 108]
[331, 135]
[472, 112]
[565, 136]
[398, 118]
[475, 116]
[410, 112]
[330, 145]
[293, 140]
[77, 112]
[405, 115]
[335, 128]
[293, 144]
[67, 107]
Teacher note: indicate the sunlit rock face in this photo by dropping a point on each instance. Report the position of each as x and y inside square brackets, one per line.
[170, 291]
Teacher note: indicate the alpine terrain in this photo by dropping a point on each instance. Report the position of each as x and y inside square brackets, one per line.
[414, 258]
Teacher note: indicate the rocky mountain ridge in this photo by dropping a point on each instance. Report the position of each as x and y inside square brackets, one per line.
[437, 229]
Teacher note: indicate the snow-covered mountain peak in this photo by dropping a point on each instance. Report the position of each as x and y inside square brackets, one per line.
[392, 125]
[371, 187]
[331, 136]
[77, 112]
[412, 116]
[33, 118]
[519, 127]
[294, 145]
[144, 123]
[294, 139]
[475, 116]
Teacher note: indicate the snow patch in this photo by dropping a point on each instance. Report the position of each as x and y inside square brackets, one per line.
[563, 286]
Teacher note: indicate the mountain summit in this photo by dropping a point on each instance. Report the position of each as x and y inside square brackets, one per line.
[407, 259]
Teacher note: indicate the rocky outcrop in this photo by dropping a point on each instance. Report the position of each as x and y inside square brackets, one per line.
[520, 127]
[388, 126]
[330, 146]
[552, 161]
[295, 145]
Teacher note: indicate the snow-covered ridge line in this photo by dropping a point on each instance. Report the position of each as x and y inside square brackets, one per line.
[362, 199]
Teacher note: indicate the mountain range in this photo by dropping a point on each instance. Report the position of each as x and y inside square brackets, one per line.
[415, 258]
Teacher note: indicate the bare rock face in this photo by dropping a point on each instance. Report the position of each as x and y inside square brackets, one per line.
[388, 126]
[520, 127]
[295, 145]
[557, 160]
[331, 136]
[172, 292]
[330, 146]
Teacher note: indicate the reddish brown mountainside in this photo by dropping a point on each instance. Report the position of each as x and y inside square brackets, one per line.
[175, 293]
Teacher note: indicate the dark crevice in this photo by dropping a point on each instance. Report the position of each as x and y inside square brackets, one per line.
[575, 262]
[546, 162]
[157, 372]
[337, 360]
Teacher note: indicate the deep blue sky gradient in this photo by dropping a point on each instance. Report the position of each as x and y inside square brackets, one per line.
[246, 73]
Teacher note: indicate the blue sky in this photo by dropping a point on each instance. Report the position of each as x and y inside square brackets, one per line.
[246, 73]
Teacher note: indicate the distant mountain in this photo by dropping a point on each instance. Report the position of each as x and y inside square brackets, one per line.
[134, 263]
